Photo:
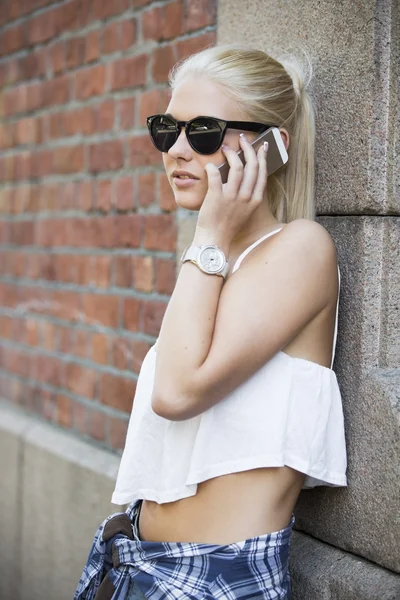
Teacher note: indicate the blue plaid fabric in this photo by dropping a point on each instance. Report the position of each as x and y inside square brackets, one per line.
[255, 568]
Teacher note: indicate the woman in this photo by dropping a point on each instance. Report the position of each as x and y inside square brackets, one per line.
[237, 407]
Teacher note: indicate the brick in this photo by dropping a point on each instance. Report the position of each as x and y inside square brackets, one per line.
[137, 3]
[105, 116]
[92, 47]
[173, 20]
[129, 72]
[81, 343]
[84, 195]
[27, 131]
[163, 60]
[160, 233]
[101, 309]
[90, 82]
[146, 189]
[139, 351]
[64, 305]
[47, 336]
[57, 54]
[103, 10]
[99, 345]
[80, 120]
[118, 431]
[126, 110]
[165, 275]
[68, 159]
[75, 52]
[35, 95]
[127, 230]
[80, 418]
[152, 23]
[87, 232]
[128, 33]
[106, 156]
[13, 39]
[41, 164]
[152, 103]
[142, 152]
[56, 91]
[63, 410]
[42, 28]
[68, 16]
[46, 401]
[199, 14]
[122, 270]
[97, 425]
[80, 380]
[22, 232]
[143, 273]
[31, 332]
[104, 195]
[65, 339]
[131, 313]
[192, 45]
[153, 313]
[166, 199]
[101, 271]
[124, 194]
[110, 38]
[121, 353]
[117, 392]
[50, 370]
[64, 268]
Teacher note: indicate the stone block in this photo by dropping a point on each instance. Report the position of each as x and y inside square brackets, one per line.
[363, 518]
[60, 488]
[321, 572]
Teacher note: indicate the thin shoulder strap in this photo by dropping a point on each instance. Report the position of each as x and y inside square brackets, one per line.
[336, 322]
[253, 245]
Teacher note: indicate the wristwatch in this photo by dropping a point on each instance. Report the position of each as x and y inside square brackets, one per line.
[209, 258]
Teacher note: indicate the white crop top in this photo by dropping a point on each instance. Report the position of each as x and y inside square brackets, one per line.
[287, 413]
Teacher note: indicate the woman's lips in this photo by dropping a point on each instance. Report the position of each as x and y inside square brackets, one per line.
[184, 182]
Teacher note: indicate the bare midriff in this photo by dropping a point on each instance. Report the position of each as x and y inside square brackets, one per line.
[226, 509]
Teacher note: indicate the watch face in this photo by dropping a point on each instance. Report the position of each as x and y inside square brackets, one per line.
[212, 259]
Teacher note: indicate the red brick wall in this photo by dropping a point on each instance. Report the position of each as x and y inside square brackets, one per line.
[87, 220]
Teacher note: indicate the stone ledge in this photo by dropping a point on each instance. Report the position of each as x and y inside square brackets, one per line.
[322, 572]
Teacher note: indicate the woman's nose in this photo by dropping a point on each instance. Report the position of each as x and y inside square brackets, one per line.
[181, 148]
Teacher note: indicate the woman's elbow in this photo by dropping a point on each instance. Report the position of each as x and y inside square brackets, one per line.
[171, 407]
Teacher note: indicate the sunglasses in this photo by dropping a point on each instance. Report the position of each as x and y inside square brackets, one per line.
[204, 134]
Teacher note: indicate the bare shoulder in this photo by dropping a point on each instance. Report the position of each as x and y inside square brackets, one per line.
[309, 235]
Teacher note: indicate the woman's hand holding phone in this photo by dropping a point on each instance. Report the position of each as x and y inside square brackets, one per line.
[227, 206]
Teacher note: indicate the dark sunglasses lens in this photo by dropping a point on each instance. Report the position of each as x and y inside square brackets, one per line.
[164, 133]
[205, 135]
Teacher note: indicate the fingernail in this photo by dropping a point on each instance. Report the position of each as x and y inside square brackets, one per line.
[266, 146]
[242, 136]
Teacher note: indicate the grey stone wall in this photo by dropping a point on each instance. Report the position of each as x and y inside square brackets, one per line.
[354, 48]
[55, 491]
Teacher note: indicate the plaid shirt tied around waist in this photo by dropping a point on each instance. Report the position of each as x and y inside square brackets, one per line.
[256, 568]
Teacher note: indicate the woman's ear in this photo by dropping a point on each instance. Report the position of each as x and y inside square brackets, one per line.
[284, 136]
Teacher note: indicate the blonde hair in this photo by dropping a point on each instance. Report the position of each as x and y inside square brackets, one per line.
[268, 91]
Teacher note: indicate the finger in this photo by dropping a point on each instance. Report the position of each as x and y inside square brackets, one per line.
[261, 183]
[214, 178]
[250, 170]
[236, 170]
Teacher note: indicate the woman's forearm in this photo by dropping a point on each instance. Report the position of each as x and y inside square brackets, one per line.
[187, 329]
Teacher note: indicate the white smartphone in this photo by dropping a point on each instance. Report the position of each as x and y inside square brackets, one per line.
[276, 156]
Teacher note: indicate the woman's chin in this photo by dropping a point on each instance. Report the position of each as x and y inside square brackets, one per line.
[188, 200]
